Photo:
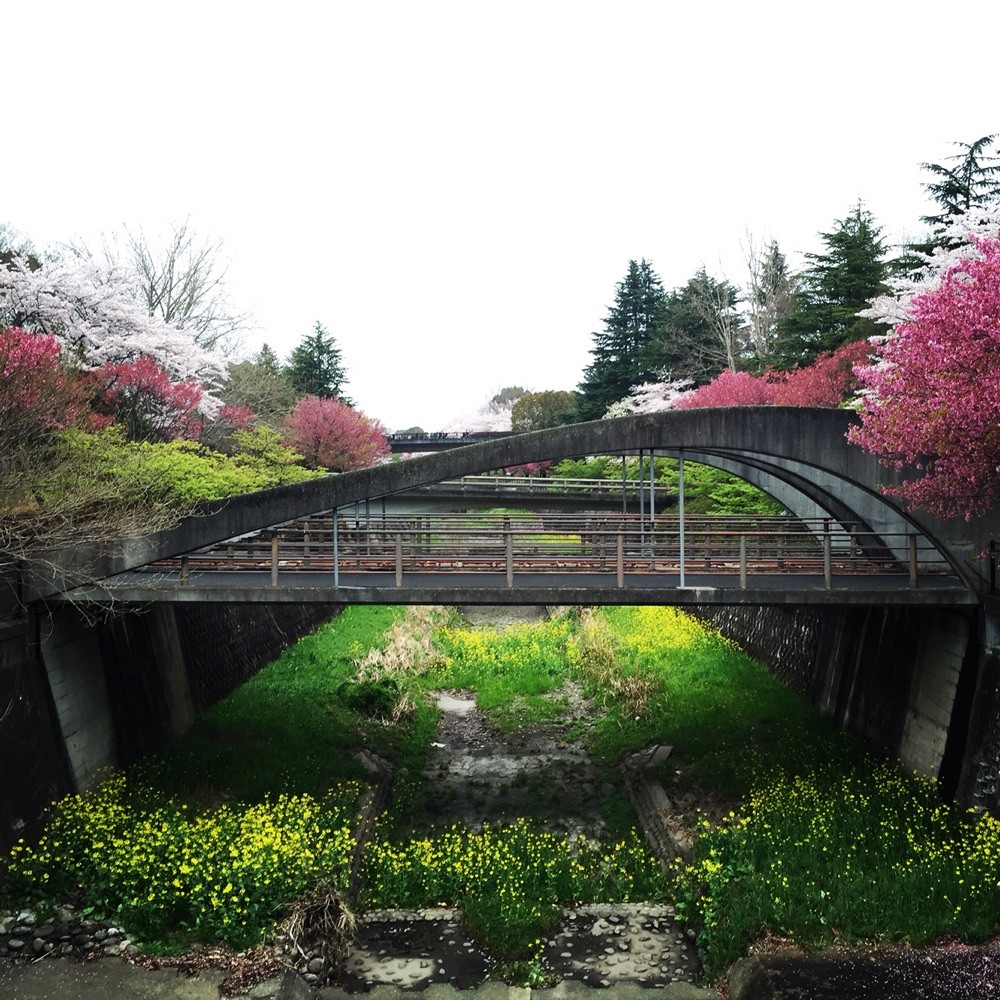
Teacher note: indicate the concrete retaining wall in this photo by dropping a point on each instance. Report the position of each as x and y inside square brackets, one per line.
[886, 675]
[78, 695]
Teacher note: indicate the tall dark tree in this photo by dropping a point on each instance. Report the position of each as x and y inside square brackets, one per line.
[972, 179]
[619, 350]
[697, 336]
[267, 360]
[315, 367]
[836, 286]
[768, 294]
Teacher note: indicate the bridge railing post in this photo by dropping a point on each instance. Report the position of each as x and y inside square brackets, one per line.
[274, 558]
[827, 566]
[620, 558]
[911, 540]
[508, 544]
[185, 568]
[743, 562]
[336, 550]
[399, 559]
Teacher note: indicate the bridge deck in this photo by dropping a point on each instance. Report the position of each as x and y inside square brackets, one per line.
[504, 556]
[455, 587]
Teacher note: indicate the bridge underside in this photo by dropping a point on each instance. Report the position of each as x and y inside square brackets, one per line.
[456, 588]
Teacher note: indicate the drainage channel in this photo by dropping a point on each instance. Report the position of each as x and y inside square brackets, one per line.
[477, 776]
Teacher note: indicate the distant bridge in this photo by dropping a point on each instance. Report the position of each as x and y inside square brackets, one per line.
[421, 441]
[800, 456]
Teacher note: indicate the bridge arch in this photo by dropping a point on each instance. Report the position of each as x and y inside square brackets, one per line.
[803, 452]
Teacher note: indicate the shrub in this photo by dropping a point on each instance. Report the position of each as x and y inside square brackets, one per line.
[169, 873]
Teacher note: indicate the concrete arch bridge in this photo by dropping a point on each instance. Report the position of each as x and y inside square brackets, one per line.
[844, 542]
[884, 617]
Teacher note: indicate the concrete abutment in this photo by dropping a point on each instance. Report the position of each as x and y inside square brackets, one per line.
[919, 684]
[80, 695]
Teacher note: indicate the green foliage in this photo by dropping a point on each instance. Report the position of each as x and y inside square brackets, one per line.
[712, 491]
[291, 722]
[864, 855]
[511, 881]
[173, 472]
[173, 875]
[633, 320]
[707, 490]
[835, 287]
[688, 342]
[731, 723]
[374, 698]
[507, 395]
[973, 180]
[534, 411]
[513, 665]
[315, 367]
[261, 386]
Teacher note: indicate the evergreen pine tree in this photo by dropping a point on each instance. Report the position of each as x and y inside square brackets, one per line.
[268, 360]
[315, 367]
[973, 180]
[833, 290]
[619, 350]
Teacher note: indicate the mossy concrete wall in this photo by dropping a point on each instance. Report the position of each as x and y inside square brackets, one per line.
[893, 677]
[80, 695]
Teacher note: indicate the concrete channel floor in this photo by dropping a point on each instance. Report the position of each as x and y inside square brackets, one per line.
[115, 979]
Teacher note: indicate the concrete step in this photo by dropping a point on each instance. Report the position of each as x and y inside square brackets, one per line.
[955, 972]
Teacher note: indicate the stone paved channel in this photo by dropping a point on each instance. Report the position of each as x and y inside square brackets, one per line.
[597, 945]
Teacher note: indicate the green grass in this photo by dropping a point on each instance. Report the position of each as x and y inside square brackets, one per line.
[510, 670]
[827, 845]
[288, 729]
[731, 723]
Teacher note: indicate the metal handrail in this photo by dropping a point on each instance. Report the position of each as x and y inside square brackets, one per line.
[519, 543]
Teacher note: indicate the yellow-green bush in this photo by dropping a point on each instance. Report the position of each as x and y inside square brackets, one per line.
[167, 872]
[510, 881]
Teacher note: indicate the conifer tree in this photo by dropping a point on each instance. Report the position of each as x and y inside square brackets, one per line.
[315, 367]
[972, 181]
[619, 350]
[834, 290]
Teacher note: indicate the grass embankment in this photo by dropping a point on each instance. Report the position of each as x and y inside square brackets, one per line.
[828, 844]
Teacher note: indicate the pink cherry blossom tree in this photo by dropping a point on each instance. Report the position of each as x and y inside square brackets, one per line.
[332, 435]
[828, 381]
[730, 389]
[931, 404]
[92, 312]
[142, 397]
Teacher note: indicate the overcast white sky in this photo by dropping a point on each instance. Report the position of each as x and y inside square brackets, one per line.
[455, 188]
